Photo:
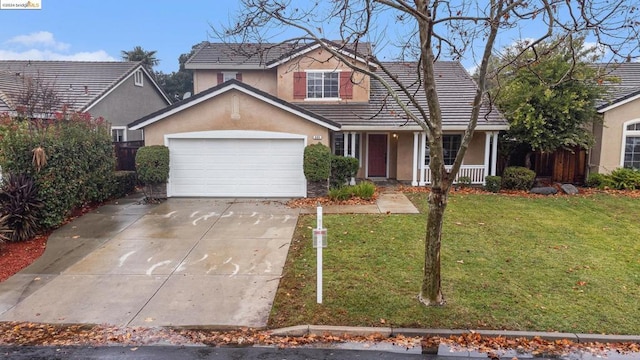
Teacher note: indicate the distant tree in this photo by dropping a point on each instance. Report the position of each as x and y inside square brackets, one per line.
[37, 98]
[549, 95]
[177, 83]
[148, 58]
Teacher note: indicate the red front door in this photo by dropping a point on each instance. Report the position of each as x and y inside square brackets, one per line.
[377, 157]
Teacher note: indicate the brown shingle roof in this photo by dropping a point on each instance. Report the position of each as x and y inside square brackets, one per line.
[456, 90]
[78, 83]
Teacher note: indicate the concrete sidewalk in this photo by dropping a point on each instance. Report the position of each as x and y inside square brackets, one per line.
[387, 203]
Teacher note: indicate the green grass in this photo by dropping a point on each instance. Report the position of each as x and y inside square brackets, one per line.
[560, 263]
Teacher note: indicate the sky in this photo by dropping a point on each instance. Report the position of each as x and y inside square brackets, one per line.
[98, 30]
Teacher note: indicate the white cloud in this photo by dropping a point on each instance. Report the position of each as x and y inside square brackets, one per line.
[40, 38]
[42, 45]
[35, 54]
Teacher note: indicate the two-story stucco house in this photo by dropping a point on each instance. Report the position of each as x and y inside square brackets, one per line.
[118, 91]
[253, 112]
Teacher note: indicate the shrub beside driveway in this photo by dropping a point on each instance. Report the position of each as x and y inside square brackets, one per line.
[552, 264]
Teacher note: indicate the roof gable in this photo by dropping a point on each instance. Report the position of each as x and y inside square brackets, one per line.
[79, 84]
[238, 56]
[229, 86]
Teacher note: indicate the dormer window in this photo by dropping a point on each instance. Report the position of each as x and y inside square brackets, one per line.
[137, 78]
[322, 85]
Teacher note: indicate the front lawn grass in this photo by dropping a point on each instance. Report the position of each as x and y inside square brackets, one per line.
[569, 264]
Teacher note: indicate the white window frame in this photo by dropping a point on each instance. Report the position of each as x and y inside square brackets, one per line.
[333, 71]
[426, 145]
[138, 78]
[626, 133]
[228, 75]
[347, 145]
[124, 132]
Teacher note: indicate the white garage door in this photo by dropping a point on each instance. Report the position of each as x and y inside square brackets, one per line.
[240, 166]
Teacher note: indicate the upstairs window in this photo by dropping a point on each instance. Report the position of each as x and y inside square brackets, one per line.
[327, 85]
[137, 78]
[450, 144]
[228, 75]
[322, 85]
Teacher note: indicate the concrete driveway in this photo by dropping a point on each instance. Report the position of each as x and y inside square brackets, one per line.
[185, 262]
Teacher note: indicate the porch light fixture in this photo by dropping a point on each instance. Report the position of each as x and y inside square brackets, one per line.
[394, 135]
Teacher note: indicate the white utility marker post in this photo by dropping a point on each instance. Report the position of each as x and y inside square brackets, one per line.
[319, 242]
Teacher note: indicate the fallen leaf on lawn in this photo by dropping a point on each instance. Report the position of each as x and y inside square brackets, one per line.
[581, 283]
[458, 223]
[460, 261]
[383, 321]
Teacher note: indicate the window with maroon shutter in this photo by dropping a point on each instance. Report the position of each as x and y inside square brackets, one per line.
[346, 86]
[220, 78]
[239, 76]
[299, 85]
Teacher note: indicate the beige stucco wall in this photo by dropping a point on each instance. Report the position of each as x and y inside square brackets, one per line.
[475, 152]
[264, 80]
[216, 114]
[608, 153]
[320, 60]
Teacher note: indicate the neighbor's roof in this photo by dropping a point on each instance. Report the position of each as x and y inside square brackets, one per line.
[223, 88]
[79, 83]
[456, 90]
[241, 56]
[624, 88]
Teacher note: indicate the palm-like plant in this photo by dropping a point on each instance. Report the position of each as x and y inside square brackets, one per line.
[148, 58]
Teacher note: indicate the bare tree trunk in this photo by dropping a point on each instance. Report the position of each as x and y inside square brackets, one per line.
[431, 293]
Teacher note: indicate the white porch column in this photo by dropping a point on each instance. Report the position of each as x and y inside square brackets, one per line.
[414, 178]
[353, 153]
[423, 143]
[494, 152]
[487, 153]
[345, 143]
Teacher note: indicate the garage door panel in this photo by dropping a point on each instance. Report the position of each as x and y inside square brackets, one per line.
[237, 167]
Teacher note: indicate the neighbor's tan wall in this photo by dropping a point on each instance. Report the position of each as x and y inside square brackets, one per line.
[611, 144]
[320, 60]
[264, 80]
[215, 114]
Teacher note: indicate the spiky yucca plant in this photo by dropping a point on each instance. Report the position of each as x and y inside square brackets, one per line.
[21, 206]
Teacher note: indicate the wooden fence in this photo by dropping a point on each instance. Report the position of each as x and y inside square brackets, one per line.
[126, 154]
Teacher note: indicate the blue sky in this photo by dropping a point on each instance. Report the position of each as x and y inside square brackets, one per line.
[99, 30]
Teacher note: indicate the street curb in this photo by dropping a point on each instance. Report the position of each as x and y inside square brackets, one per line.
[302, 330]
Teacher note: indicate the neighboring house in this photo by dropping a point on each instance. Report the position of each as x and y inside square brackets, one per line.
[120, 92]
[253, 112]
[618, 136]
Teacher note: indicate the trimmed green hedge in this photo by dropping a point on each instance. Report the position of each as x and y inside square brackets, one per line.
[317, 162]
[125, 183]
[343, 168]
[80, 161]
[152, 164]
[518, 178]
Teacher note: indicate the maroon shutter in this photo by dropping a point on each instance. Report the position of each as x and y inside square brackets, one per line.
[299, 85]
[346, 86]
[220, 78]
[239, 76]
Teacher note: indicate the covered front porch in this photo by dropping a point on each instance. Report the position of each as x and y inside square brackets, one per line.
[475, 173]
[404, 155]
